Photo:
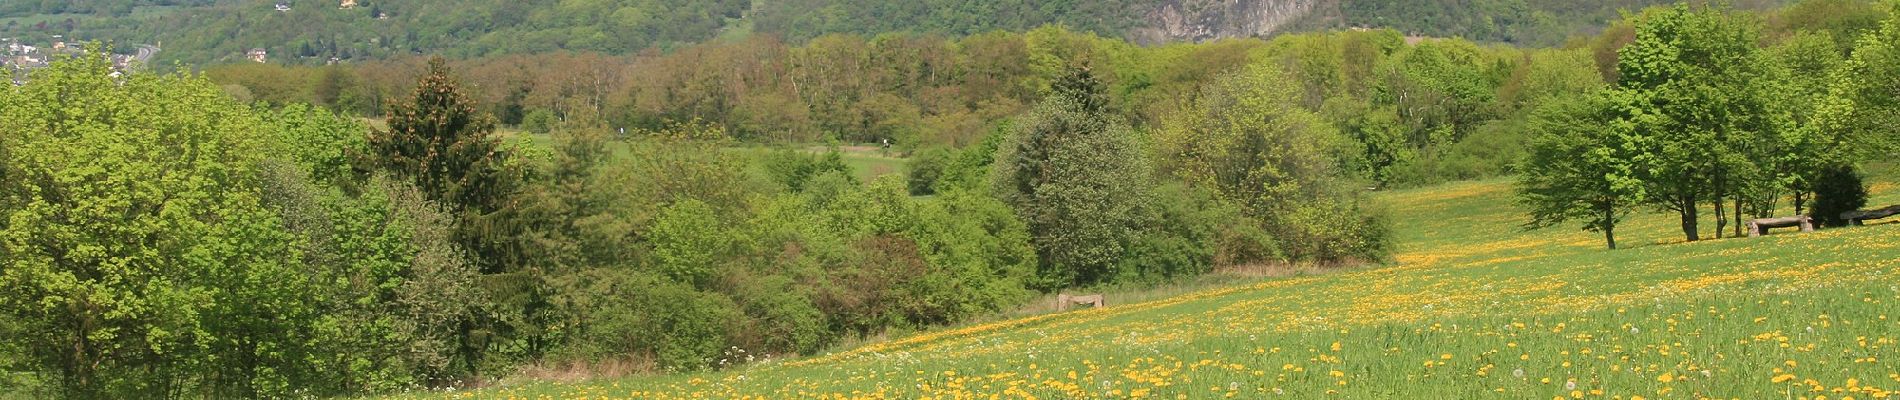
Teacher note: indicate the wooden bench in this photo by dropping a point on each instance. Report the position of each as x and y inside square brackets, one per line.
[1860, 217]
[1759, 227]
[1063, 301]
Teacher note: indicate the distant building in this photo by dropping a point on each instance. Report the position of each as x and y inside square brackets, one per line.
[258, 55]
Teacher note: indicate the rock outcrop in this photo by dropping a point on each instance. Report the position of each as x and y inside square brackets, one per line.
[1202, 20]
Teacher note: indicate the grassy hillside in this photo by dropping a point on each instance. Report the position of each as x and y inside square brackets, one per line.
[1474, 307]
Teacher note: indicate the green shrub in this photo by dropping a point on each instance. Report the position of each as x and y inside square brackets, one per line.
[630, 313]
[1839, 189]
[1180, 238]
[794, 168]
[979, 255]
[926, 168]
[1490, 151]
[780, 318]
[539, 121]
[687, 241]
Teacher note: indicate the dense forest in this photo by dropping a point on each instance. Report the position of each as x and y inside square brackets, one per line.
[269, 230]
[314, 32]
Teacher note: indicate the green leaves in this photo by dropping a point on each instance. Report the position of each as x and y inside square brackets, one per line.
[136, 237]
[686, 239]
[1247, 140]
[1077, 177]
[1586, 162]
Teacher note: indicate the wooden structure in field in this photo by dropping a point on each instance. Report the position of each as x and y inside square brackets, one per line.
[1759, 227]
[1063, 301]
[1860, 217]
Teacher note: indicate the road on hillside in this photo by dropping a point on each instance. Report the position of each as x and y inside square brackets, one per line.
[145, 54]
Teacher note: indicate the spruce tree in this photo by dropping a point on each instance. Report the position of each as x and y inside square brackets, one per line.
[438, 141]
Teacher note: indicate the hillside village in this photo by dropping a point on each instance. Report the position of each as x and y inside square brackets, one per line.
[19, 57]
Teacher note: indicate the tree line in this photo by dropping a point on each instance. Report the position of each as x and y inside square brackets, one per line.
[165, 239]
[1707, 111]
[1420, 112]
[1417, 111]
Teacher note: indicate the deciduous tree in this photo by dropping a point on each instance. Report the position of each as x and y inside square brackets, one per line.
[1076, 175]
[1585, 163]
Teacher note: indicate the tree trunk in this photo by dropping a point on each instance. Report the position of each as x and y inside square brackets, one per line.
[1721, 221]
[1609, 226]
[1719, 191]
[1688, 213]
[1738, 216]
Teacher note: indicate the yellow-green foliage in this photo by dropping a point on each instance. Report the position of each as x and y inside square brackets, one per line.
[1473, 308]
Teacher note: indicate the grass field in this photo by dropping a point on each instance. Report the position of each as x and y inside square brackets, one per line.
[1473, 307]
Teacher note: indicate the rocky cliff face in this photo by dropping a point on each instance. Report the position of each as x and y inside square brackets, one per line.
[1202, 20]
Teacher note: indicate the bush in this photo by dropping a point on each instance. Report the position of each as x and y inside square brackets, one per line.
[969, 168]
[780, 318]
[1181, 237]
[979, 254]
[925, 169]
[687, 239]
[1489, 151]
[539, 121]
[630, 313]
[1839, 189]
[794, 168]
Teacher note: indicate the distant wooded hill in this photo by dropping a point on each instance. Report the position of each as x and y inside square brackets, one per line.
[316, 31]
